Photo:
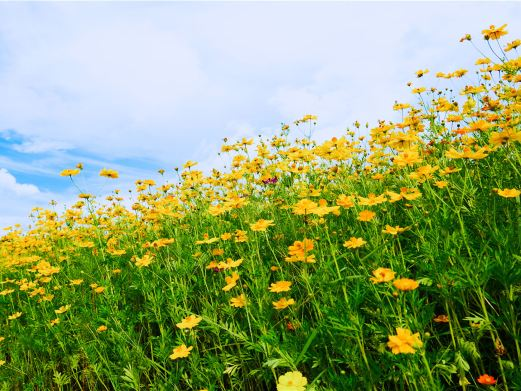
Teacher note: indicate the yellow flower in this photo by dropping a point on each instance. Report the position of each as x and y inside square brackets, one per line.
[70, 172]
[76, 282]
[54, 322]
[2, 362]
[300, 251]
[494, 32]
[189, 164]
[304, 207]
[382, 274]
[280, 286]
[238, 302]
[512, 45]
[181, 352]
[231, 281]
[354, 242]
[189, 322]
[14, 316]
[393, 230]
[145, 261]
[63, 309]
[366, 215]
[283, 303]
[109, 173]
[292, 381]
[101, 329]
[441, 184]
[99, 289]
[404, 341]
[509, 193]
[345, 201]
[406, 284]
[420, 73]
[261, 225]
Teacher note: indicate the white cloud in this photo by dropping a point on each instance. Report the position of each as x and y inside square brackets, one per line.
[9, 185]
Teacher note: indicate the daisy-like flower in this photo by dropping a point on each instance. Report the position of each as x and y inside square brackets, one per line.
[101, 329]
[406, 284]
[181, 352]
[366, 215]
[486, 380]
[441, 319]
[494, 32]
[280, 286]
[238, 301]
[261, 225]
[304, 207]
[14, 316]
[70, 172]
[109, 173]
[382, 274]
[354, 242]
[292, 381]
[63, 309]
[54, 322]
[508, 193]
[231, 281]
[189, 322]
[144, 261]
[393, 230]
[283, 303]
[404, 341]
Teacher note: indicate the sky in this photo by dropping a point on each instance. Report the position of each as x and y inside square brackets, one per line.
[139, 87]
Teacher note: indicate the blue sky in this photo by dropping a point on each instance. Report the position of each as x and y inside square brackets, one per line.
[143, 86]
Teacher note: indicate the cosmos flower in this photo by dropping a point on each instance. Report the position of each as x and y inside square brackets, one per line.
[181, 352]
[189, 322]
[404, 341]
[405, 284]
[283, 303]
[292, 381]
[280, 286]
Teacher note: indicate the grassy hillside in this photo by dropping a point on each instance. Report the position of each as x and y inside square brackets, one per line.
[386, 262]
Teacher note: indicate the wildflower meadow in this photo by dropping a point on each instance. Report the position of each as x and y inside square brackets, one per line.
[385, 258]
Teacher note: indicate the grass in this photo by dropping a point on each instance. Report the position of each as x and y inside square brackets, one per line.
[94, 298]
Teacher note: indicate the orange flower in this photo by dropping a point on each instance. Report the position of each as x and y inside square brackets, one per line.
[366, 215]
[404, 341]
[189, 322]
[101, 329]
[261, 225]
[180, 352]
[441, 319]
[239, 301]
[486, 380]
[280, 286]
[304, 207]
[283, 303]
[354, 242]
[231, 281]
[109, 173]
[69, 172]
[393, 230]
[382, 274]
[508, 193]
[494, 32]
[406, 284]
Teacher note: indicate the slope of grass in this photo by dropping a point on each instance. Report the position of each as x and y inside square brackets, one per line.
[387, 263]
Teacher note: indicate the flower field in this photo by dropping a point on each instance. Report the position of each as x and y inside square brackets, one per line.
[385, 258]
